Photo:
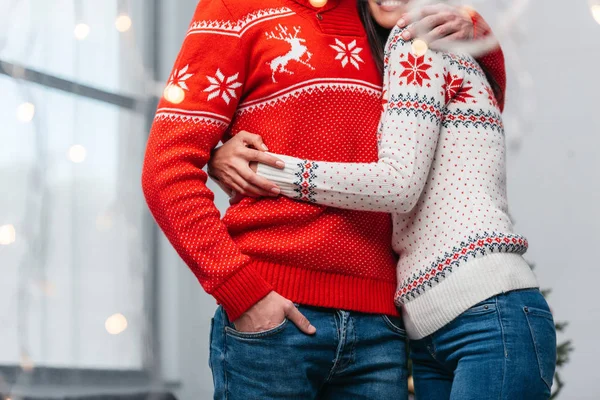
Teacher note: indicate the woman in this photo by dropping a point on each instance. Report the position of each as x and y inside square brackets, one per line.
[478, 325]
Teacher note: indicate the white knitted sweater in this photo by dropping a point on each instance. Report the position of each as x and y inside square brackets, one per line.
[441, 173]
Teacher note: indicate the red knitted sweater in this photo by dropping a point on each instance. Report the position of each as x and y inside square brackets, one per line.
[303, 79]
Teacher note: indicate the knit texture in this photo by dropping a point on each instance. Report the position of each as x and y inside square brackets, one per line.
[441, 172]
[305, 81]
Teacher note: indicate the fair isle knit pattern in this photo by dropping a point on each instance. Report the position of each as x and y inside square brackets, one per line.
[304, 79]
[478, 246]
[441, 173]
[274, 68]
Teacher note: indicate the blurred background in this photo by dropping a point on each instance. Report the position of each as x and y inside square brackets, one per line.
[93, 300]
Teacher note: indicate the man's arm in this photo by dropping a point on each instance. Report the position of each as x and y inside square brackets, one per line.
[210, 78]
[408, 135]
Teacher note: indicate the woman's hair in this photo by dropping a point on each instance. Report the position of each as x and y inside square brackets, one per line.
[376, 34]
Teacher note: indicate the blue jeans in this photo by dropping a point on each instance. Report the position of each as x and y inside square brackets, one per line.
[352, 356]
[502, 348]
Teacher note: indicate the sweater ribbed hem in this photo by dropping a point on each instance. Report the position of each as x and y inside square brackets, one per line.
[241, 291]
[471, 283]
[324, 289]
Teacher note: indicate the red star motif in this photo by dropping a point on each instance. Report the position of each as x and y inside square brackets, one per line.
[415, 70]
[455, 89]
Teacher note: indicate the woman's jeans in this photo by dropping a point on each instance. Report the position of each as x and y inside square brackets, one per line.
[502, 348]
[352, 356]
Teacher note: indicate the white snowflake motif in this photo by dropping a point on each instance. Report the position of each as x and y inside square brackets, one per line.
[347, 52]
[225, 88]
[178, 78]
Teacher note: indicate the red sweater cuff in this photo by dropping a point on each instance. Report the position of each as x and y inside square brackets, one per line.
[492, 62]
[241, 291]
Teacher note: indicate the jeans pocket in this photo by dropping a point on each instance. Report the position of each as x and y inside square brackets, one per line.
[484, 307]
[543, 334]
[395, 324]
[230, 330]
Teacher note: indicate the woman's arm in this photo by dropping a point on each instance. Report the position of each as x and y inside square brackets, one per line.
[415, 98]
[441, 25]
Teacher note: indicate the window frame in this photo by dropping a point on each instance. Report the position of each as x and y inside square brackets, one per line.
[61, 381]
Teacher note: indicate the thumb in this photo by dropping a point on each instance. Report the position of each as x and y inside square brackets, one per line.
[235, 197]
[301, 321]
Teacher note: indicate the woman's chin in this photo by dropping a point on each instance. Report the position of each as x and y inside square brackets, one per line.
[387, 22]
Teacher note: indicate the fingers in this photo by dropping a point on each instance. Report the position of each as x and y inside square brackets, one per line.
[432, 23]
[454, 30]
[446, 43]
[236, 191]
[252, 139]
[418, 13]
[246, 188]
[235, 198]
[263, 158]
[263, 184]
[294, 315]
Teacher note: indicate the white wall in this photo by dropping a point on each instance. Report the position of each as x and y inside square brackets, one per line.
[553, 185]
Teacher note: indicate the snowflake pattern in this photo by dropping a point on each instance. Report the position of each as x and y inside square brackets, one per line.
[415, 70]
[179, 78]
[221, 87]
[347, 53]
[455, 89]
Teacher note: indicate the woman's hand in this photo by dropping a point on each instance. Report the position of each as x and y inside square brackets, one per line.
[436, 23]
[230, 166]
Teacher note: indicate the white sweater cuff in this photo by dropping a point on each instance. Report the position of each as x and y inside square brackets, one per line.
[287, 179]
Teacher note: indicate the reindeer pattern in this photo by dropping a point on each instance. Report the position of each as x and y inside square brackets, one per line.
[297, 52]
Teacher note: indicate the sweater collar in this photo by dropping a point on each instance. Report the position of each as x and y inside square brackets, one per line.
[330, 4]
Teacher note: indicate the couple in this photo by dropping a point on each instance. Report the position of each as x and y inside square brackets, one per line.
[314, 302]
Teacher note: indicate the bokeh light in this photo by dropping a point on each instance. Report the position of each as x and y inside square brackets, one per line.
[419, 47]
[8, 235]
[596, 12]
[318, 3]
[81, 31]
[77, 153]
[25, 112]
[123, 23]
[116, 324]
[174, 94]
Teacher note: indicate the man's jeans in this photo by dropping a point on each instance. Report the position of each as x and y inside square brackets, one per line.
[502, 348]
[352, 356]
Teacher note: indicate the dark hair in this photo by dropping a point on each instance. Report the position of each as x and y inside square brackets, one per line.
[376, 34]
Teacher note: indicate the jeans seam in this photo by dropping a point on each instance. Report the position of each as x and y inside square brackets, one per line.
[433, 353]
[498, 308]
[226, 387]
[535, 348]
[341, 339]
[353, 349]
[394, 328]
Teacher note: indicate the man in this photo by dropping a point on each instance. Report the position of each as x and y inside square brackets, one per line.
[300, 74]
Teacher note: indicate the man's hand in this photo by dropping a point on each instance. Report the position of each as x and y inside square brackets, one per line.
[437, 24]
[270, 312]
[230, 165]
